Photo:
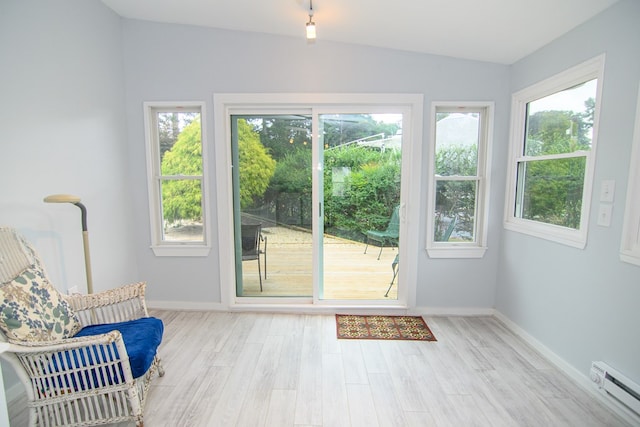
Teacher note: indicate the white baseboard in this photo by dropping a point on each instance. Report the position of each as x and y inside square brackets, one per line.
[454, 311]
[582, 379]
[323, 309]
[187, 305]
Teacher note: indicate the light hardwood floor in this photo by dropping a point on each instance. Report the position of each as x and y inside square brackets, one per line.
[249, 369]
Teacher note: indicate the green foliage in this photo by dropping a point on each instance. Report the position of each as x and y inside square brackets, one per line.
[256, 167]
[281, 135]
[371, 186]
[456, 199]
[555, 132]
[371, 190]
[169, 127]
[182, 198]
[457, 160]
[553, 189]
[293, 173]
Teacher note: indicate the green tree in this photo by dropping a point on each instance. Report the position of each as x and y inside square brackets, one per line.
[455, 199]
[370, 191]
[288, 141]
[553, 188]
[182, 198]
[256, 167]
[281, 135]
[170, 124]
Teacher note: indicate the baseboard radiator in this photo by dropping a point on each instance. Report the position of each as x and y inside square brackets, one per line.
[615, 386]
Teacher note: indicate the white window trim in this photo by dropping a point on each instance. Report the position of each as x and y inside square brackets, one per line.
[478, 248]
[160, 247]
[588, 70]
[630, 246]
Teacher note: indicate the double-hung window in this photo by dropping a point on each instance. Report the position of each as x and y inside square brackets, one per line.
[459, 182]
[175, 141]
[553, 141]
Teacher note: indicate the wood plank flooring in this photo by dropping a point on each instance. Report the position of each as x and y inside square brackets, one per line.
[349, 273]
[250, 369]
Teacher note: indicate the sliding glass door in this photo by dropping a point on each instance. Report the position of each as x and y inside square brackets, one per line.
[273, 219]
[361, 164]
[317, 204]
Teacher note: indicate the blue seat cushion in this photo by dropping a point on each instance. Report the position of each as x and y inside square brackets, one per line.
[141, 338]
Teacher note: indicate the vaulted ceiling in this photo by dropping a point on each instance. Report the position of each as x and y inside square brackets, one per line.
[500, 31]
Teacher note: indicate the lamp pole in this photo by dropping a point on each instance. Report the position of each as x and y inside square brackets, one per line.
[75, 200]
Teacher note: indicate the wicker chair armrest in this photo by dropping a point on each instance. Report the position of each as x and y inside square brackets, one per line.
[111, 306]
[56, 346]
[74, 366]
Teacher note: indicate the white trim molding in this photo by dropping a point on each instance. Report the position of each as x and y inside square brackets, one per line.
[630, 245]
[159, 246]
[588, 70]
[477, 247]
[227, 105]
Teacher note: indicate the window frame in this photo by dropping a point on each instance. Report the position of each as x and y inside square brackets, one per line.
[588, 70]
[159, 246]
[477, 248]
[630, 245]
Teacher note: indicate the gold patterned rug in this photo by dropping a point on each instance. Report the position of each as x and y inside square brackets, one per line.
[383, 328]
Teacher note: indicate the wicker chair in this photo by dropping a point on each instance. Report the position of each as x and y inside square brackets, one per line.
[101, 373]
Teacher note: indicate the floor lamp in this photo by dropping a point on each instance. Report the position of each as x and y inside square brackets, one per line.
[68, 198]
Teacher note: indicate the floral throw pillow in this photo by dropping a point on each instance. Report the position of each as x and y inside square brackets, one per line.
[32, 309]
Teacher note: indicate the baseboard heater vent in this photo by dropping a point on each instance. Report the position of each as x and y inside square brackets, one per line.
[616, 386]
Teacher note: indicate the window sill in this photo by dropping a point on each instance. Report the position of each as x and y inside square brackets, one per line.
[631, 257]
[554, 233]
[456, 252]
[181, 250]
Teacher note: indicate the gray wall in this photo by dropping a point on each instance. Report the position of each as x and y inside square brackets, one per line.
[583, 304]
[178, 63]
[63, 131]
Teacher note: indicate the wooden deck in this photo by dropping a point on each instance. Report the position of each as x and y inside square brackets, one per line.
[349, 273]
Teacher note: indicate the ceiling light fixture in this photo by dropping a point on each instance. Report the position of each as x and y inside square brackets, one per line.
[311, 26]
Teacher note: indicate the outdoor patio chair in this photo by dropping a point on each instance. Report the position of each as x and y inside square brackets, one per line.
[394, 267]
[396, 261]
[83, 359]
[388, 236]
[251, 250]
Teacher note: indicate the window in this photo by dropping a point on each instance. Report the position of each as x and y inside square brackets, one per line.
[630, 250]
[176, 178]
[553, 141]
[459, 183]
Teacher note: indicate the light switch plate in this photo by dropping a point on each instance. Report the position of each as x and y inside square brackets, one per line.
[607, 190]
[604, 215]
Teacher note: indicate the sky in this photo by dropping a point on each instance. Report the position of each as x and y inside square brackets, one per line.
[567, 100]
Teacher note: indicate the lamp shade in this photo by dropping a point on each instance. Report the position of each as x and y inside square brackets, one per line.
[62, 198]
[311, 30]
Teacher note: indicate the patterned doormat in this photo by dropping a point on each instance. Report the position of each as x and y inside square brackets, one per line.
[383, 328]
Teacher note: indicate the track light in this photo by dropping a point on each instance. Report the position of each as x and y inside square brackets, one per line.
[311, 26]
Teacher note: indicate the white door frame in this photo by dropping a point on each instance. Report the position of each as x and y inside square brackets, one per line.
[228, 104]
